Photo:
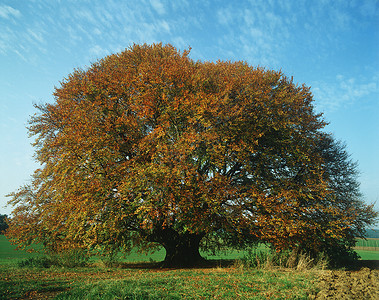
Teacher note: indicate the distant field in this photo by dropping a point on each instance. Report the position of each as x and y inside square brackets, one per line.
[372, 233]
[8, 252]
[368, 255]
[368, 244]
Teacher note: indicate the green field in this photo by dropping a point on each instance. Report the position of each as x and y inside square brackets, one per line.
[368, 244]
[8, 254]
[115, 283]
[147, 281]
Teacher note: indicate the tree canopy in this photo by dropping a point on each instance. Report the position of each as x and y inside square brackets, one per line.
[148, 146]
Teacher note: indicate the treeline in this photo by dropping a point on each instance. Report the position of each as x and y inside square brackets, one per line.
[3, 224]
[372, 233]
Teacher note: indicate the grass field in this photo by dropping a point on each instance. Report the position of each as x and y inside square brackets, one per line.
[8, 254]
[146, 281]
[115, 283]
[368, 244]
[141, 281]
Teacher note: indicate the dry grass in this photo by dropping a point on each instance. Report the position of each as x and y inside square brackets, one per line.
[294, 260]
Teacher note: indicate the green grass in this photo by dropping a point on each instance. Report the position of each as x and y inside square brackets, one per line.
[9, 254]
[97, 281]
[23, 287]
[368, 249]
[143, 281]
[368, 255]
[115, 283]
[197, 284]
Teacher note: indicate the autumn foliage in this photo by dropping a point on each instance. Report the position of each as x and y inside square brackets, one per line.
[148, 146]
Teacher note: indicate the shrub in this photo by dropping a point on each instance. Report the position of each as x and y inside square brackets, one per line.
[36, 262]
[111, 259]
[293, 259]
[67, 259]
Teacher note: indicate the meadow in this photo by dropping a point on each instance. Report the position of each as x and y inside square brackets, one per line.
[138, 277]
[371, 244]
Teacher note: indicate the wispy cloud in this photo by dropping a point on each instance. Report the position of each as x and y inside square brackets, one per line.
[344, 92]
[225, 16]
[259, 31]
[7, 12]
[112, 23]
[269, 32]
[35, 35]
[158, 6]
[98, 51]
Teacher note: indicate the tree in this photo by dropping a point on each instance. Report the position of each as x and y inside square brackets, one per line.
[148, 146]
[3, 223]
[344, 198]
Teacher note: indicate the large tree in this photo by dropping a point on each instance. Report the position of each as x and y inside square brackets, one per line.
[148, 146]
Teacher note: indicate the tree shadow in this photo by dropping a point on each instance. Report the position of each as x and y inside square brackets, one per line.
[371, 264]
[224, 263]
[210, 263]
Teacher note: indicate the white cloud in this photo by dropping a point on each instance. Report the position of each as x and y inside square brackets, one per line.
[180, 43]
[164, 26]
[262, 33]
[7, 12]
[344, 92]
[224, 16]
[21, 56]
[97, 51]
[97, 31]
[85, 15]
[158, 6]
[35, 35]
[275, 33]
[180, 5]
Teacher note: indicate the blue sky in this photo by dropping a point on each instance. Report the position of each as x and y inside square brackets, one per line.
[332, 46]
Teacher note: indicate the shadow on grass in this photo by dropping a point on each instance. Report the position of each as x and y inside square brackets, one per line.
[224, 263]
[210, 263]
[30, 289]
[371, 264]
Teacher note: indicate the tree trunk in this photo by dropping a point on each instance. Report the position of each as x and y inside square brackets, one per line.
[182, 250]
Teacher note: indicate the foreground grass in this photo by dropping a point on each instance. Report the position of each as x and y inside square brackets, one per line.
[97, 281]
[144, 281]
[115, 283]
